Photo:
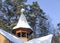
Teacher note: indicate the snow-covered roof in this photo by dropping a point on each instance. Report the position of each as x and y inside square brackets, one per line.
[11, 37]
[45, 39]
[14, 39]
[22, 23]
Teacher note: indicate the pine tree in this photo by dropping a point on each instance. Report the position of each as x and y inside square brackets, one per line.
[34, 14]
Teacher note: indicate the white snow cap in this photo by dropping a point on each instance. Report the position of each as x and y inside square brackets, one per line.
[11, 37]
[45, 39]
[22, 23]
[22, 10]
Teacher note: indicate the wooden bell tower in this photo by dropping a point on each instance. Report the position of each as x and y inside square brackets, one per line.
[22, 29]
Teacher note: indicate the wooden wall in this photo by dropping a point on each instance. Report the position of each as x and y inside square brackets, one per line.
[59, 37]
[25, 39]
[3, 39]
[53, 40]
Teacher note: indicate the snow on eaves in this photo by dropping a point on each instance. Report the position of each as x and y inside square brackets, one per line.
[45, 39]
[11, 37]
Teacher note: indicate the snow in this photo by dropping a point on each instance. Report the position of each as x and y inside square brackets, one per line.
[22, 10]
[11, 37]
[22, 23]
[45, 39]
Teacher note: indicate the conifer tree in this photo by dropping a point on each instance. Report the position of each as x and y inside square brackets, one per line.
[34, 14]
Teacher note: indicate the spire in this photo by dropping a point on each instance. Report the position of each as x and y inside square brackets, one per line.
[22, 10]
[22, 23]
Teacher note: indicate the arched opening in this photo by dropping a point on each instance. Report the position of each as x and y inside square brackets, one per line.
[18, 34]
[24, 34]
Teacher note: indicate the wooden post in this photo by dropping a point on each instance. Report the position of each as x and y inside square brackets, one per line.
[21, 33]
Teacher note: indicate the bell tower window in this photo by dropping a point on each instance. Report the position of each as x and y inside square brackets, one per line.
[24, 34]
[18, 34]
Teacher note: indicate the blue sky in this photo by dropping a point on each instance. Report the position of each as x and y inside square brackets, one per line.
[51, 7]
